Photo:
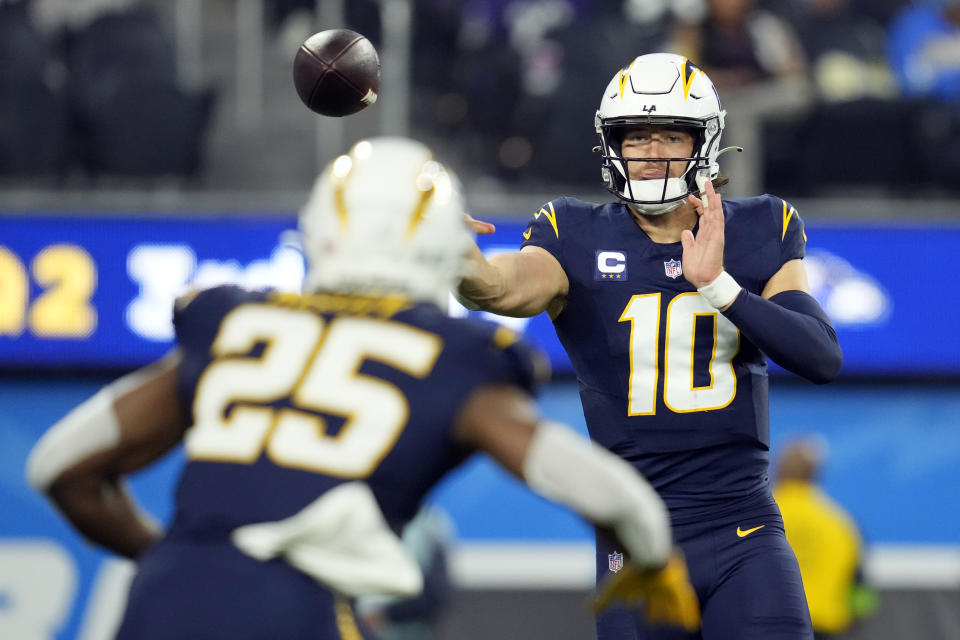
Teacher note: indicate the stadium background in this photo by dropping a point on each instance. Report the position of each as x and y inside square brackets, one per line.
[90, 261]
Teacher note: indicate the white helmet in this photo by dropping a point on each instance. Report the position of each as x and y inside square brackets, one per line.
[386, 218]
[667, 89]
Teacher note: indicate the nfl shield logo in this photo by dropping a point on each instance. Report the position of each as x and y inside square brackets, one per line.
[673, 268]
[615, 561]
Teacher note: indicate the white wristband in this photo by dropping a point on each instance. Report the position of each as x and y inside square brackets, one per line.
[722, 291]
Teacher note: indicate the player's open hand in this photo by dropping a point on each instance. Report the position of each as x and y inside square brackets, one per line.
[703, 254]
[476, 263]
[664, 596]
[479, 227]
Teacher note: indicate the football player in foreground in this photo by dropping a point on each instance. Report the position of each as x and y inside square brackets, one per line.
[313, 426]
[668, 302]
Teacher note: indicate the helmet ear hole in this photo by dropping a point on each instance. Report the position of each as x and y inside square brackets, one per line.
[607, 177]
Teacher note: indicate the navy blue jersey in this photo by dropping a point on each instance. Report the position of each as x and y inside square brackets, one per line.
[667, 381]
[292, 395]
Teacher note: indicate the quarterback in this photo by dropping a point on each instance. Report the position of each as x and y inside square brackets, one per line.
[669, 301]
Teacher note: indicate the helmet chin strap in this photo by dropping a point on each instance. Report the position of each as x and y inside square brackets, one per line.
[656, 209]
[651, 190]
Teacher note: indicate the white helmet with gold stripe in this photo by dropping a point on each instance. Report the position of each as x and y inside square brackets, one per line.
[386, 218]
[660, 89]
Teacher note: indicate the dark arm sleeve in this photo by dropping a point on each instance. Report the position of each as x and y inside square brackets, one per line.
[792, 330]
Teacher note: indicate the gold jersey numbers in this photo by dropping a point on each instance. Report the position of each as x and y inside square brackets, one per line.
[314, 364]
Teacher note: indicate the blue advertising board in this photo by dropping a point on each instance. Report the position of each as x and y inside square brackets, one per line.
[93, 292]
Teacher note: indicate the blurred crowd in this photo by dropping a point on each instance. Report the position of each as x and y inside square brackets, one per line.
[516, 83]
[89, 88]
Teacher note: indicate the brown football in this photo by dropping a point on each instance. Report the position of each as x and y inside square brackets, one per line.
[337, 72]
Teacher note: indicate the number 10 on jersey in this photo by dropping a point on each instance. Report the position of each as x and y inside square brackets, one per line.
[680, 392]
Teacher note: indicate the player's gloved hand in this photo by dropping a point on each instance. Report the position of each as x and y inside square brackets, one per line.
[665, 596]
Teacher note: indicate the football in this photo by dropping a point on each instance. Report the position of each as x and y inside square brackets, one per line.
[337, 72]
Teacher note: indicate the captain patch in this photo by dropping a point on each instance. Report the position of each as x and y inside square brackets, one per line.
[611, 265]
